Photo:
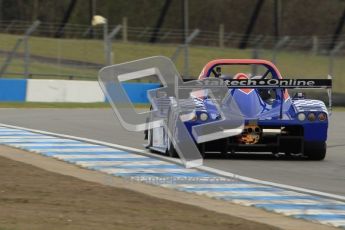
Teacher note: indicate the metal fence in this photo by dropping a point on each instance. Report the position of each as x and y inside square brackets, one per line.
[221, 37]
[77, 54]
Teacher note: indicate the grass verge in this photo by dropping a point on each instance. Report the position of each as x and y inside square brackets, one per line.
[291, 64]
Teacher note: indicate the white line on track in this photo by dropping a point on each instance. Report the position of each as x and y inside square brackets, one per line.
[310, 211]
[203, 168]
[257, 202]
[335, 222]
[253, 193]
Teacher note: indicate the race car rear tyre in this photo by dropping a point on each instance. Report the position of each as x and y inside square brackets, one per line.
[171, 151]
[148, 133]
[315, 150]
[150, 137]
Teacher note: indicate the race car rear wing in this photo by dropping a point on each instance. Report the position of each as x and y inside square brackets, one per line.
[274, 83]
[285, 84]
[278, 84]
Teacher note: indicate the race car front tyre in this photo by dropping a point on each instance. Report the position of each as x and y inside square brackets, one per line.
[171, 151]
[315, 150]
[149, 137]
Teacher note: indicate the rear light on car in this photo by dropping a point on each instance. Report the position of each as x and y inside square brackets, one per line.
[322, 116]
[311, 117]
[203, 116]
[301, 116]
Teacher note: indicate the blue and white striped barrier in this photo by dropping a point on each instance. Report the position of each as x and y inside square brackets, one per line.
[42, 90]
[153, 170]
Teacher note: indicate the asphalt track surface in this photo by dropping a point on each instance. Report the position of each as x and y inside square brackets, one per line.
[101, 124]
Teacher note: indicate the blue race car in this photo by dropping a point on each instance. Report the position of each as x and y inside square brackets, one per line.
[273, 121]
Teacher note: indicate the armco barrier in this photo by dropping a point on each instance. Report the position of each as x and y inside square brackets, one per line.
[43, 90]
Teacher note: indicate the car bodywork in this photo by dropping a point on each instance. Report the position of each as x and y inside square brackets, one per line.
[274, 121]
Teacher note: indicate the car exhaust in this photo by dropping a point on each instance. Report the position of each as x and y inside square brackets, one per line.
[251, 135]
